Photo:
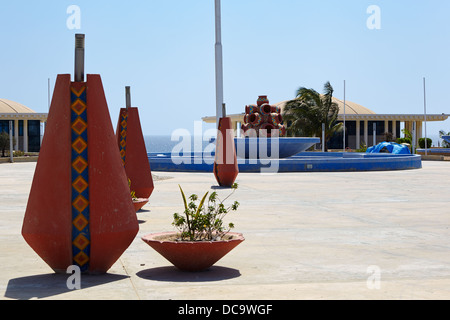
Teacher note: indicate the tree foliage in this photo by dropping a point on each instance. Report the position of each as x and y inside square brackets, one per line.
[305, 114]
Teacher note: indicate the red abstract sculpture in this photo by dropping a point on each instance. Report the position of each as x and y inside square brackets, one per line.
[265, 117]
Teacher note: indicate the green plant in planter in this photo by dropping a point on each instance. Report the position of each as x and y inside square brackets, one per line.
[203, 221]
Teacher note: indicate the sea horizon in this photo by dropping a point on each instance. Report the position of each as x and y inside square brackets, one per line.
[164, 143]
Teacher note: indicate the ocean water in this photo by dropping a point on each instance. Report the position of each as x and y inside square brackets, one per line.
[164, 144]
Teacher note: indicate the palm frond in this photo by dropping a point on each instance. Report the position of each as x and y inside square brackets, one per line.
[309, 110]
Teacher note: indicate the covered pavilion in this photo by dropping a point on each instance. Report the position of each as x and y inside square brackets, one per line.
[26, 125]
[360, 122]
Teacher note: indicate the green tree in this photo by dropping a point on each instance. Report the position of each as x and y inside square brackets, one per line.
[407, 139]
[305, 114]
[4, 142]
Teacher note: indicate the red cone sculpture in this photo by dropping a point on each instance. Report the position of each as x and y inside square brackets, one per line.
[226, 167]
[134, 153]
[79, 209]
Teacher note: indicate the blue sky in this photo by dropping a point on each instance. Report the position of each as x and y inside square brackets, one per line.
[164, 50]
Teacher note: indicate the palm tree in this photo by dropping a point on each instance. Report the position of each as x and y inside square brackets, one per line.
[309, 110]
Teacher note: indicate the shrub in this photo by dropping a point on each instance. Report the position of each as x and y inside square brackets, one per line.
[422, 143]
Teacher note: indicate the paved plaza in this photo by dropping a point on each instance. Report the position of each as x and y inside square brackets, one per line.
[357, 235]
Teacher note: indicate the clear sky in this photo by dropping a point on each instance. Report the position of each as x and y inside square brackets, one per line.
[164, 50]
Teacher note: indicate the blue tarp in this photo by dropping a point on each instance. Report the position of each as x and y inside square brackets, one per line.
[391, 147]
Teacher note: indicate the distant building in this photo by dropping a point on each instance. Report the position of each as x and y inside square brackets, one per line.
[359, 123]
[26, 125]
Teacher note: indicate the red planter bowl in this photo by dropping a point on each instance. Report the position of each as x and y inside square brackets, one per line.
[140, 203]
[192, 256]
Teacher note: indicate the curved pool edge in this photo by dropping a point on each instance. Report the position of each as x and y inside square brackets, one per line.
[286, 147]
[302, 162]
[435, 151]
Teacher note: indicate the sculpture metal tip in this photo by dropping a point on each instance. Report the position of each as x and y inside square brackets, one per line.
[79, 41]
[128, 97]
[79, 57]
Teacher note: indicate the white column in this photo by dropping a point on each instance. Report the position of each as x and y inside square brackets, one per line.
[374, 134]
[394, 128]
[358, 134]
[25, 135]
[16, 135]
[408, 126]
[366, 132]
[11, 150]
[419, 130]
[235, 127]
[386, 125]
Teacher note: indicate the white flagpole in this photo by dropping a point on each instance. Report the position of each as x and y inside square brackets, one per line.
[425, 112]
[344, 117]
[219, 63]
[48, 93]
[11, 150]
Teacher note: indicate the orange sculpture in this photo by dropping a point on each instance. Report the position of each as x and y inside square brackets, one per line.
[79, 210]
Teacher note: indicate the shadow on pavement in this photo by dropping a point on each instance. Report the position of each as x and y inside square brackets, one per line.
[48, 285]
[172, 274]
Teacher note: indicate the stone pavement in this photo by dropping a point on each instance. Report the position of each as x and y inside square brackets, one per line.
[359, 235]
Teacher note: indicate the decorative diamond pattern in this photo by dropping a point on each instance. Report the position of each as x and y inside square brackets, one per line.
[80, 203]
[123, 135]
[79, 126]
[80, 222]
[78, 92]
[80, 177]
[80, 164]
[79, 145]
[80, 184]
[81, 242]
[79, 107]
[81, 259]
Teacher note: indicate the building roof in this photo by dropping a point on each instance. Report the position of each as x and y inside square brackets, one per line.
[13, 110]
[8, 106]
[350, 107]
[353, 112]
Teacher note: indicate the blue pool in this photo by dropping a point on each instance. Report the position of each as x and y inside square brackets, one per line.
[302, 162]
